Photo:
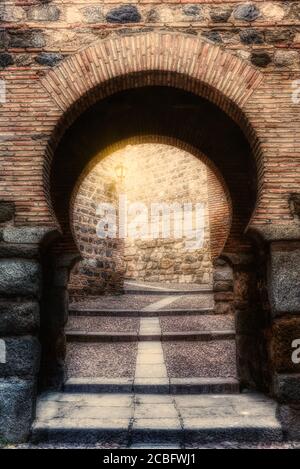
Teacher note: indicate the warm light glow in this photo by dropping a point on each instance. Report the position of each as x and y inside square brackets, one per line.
[120, 171]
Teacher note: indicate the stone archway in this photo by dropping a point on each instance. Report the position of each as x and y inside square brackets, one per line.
[100, 70]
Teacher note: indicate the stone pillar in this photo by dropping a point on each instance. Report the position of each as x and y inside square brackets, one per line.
[20, 292]
[223, 286]
[54, 315]
[284, 292]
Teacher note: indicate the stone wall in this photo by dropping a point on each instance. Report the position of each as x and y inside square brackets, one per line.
[154, 173]
[41, 34]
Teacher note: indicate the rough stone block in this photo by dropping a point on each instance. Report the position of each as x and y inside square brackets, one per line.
[260, 59]
[25, 234]
[284, 281]
[124, 14]
[5, 61]
[20, 39]
[49, 58]
[251, 36]
[284, 332]
[223, 273]
[221, 286]
[289, 416]
[93, 14]
[16, 409]
[23, 251]
[246, 12]
[18, 318]
[220, 14]
[287, 387]
[20, 277]
[22, 357]
[43, 13]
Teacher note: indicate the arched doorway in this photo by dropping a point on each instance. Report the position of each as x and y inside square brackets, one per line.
[150, 113]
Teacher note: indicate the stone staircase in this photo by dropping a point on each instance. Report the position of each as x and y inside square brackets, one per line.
[154, 366]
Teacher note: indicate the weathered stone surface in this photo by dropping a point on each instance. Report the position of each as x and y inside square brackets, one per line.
[284, 332]
[223, 273]
[193, 11]
[23, 60]
[287, 58]
[44, 12]
[223, 308]
[251, 36]
[274, 36]
[25, 234]
[11, 13]
[23, 251]
[20, 277]
[49, 59]
[5, 61]
[7, 209]
[18, 318]
[21, 39]
[22, 357]
[289, 416]
[246, 12]
[220, 14]
[92, 14]
[16, 409]
[260, 59]
[214, 36]
[284, 281]
[124, 14]
[295, 10]
[152, 16]
[223, 285]
[287, 387]
[272, 11]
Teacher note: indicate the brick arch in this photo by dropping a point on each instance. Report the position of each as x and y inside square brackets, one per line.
[223, 76]
[219, 232]
[146, 59]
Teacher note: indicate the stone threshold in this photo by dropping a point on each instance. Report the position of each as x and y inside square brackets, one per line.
[204, 336]
[132, 419]
[153, 385]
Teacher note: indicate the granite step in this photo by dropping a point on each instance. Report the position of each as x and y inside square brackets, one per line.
[132, 419]
[84, 336]
[96, 312]
[152, 385]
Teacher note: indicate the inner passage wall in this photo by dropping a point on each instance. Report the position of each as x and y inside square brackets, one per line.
[149, 173]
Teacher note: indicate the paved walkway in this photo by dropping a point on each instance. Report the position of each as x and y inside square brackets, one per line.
[148, 387]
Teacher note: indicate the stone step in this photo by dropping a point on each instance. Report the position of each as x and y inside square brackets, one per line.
[164, 292]
[145, 288]
[145, 302]
[95, 312]
[172, 323]
[153, 385]
[130, 419]
[84, 336]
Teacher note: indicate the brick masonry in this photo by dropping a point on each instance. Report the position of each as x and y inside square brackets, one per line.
[58, 58]
[61, 29]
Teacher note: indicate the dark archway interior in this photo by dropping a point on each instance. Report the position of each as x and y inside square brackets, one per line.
[162, 111]
[176, 114]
